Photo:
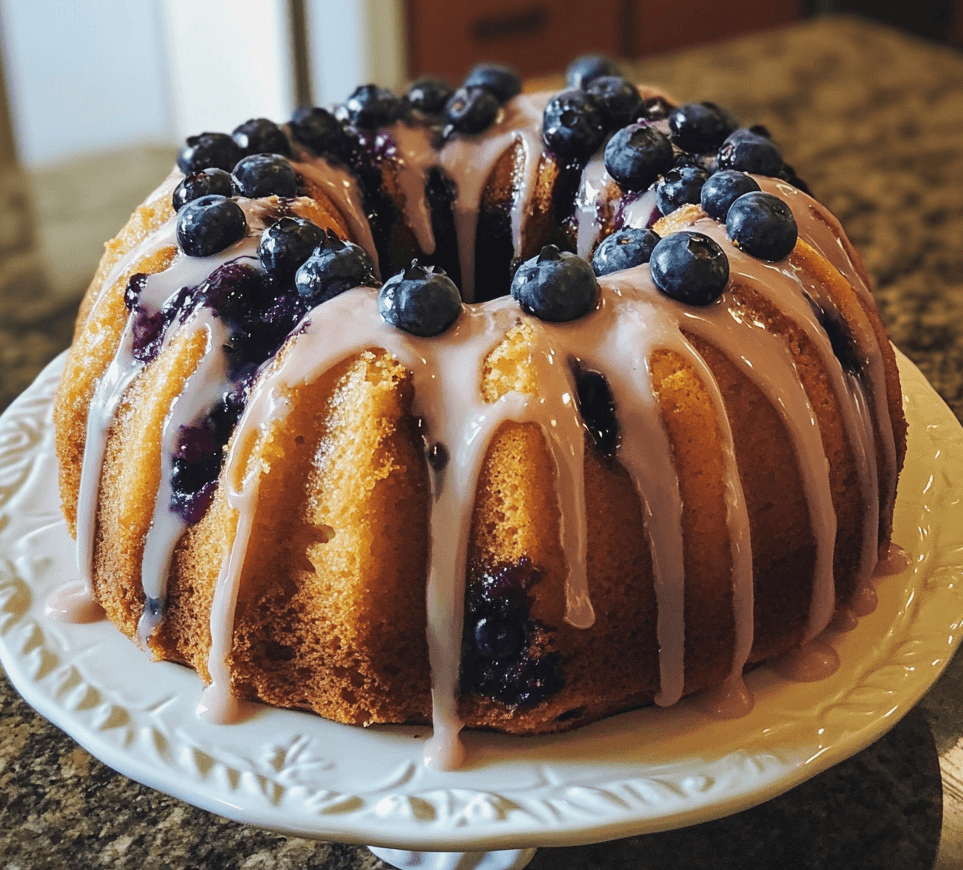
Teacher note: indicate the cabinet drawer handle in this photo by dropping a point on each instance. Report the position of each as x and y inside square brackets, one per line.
[525, 22]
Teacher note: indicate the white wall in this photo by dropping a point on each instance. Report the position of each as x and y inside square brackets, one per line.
[354, 43]
[98, 75]
[83, 75]
[230, 60]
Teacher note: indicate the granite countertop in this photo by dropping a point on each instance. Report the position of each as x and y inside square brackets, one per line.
[873, 120]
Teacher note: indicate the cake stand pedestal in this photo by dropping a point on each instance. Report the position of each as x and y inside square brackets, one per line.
[508, 859]
[641, 772]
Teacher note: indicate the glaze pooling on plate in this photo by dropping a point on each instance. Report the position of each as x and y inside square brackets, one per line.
[644, 771]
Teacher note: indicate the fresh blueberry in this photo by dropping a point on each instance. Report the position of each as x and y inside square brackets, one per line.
[265, 175]
[320, 131]
[216, 150]
[700, 127]
[203, 183]
[572, 125]
[623, 249]
[689, 267]
[470, 110]
[334, 267]
[762, 225]
[429, 95]
[261, 136]
[370, 107]
[419, 300]
[723, 189]
[584, 69]
[617, 99]
[556, 286]
[636, 156]
[680, 186]
[209, 224]
[502, 81]
[286, 244]
[750, 152]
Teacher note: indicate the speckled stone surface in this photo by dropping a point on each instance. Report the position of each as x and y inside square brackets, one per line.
[873, 120]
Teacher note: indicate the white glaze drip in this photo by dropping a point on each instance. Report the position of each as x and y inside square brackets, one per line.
[342, 189]
[469, 160]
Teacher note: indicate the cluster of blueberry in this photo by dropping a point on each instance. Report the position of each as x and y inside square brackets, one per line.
[499, 641]
[691, 267]
[598, 102]
[252, 162]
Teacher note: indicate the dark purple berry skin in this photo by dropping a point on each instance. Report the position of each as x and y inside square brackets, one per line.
[202, 183]
[588, 67]
[261, 136]
[147, 333]
[500, 635]
[319, 130]
[596, 407]
[681, 185]
[636, 156]
[286, 244]
[689, 267]
[572, 125]
[370, 107]
[208, 225]
[216, 150]
[135, 286]
[750, 152]
[470, 111]
[700, 127]
[334, 267]
[556, 286]
[617, 99]
[420, 300]
[265, 175]
[840, 338]
[502, 81]
[233, 291]
[624, 249]
[723, 189]
[762, 225]
[428, 95]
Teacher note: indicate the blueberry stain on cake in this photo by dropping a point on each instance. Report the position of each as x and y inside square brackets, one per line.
[501, 657]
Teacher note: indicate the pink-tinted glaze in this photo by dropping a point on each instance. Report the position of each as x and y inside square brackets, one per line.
[74, 603]
[729, 700]
[813, 661]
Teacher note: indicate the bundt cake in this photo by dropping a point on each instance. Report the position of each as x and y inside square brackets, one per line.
[479, 408]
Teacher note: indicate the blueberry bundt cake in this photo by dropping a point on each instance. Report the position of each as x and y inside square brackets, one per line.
[479, 408]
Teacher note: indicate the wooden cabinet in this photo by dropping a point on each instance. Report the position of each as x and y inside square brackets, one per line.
[536, 37]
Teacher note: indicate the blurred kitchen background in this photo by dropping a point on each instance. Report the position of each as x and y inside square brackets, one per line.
[96, 95]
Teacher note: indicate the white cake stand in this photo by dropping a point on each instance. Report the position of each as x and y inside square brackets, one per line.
[641, 772]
